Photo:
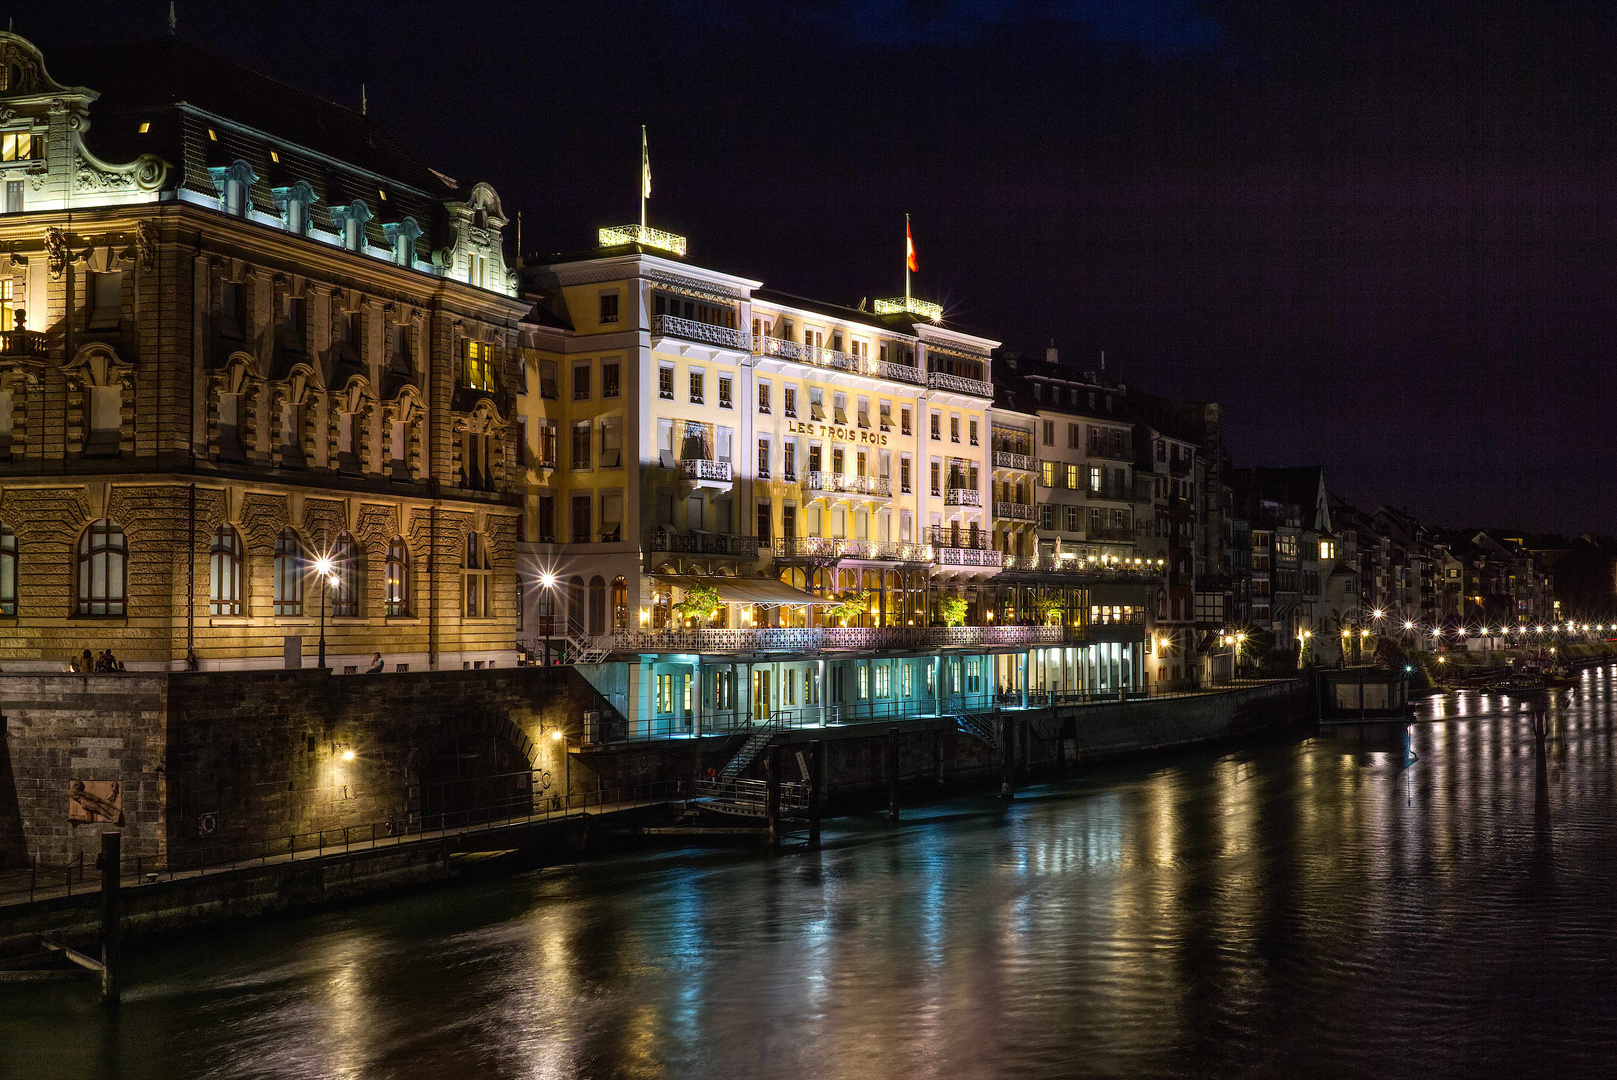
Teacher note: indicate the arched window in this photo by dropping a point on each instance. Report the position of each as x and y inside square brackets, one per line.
[290, 564]
[475, 574]
[8, 571]
[345, 565]
[103, 569]
[597, 605]
[225, 572]
[620, 604]
[398, 577]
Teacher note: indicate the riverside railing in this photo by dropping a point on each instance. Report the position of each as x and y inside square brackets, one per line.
[835, 638]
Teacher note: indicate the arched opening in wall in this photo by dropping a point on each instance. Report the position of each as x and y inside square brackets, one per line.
[597, 624]
[103, 569]
[472, 774]
[575, 604]
[225, 572]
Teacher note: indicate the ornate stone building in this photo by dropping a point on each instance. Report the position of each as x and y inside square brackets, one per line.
[245, 329]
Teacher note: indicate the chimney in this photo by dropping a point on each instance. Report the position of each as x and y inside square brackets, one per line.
[1050, 354]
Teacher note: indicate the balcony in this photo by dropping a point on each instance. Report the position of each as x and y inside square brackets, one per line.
[1109, 535]
[875, 487]
[825, 549]
[722, 337]
[704, 543]
[1089, 569]
[959, 547]
[22, 343]
[962, 496]
[1007, 459]
[1113, 492]
[939, 380]
[780, 349]
[841, 638]
[705, 473]
[1015, 511]
[638, 234]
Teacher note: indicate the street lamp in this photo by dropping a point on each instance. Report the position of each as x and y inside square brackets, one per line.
[547, 581]
[323, 567]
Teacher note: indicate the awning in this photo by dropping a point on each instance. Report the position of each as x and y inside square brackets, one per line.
[739, 590]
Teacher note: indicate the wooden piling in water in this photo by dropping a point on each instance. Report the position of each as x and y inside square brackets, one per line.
[772, 794]
[111, 944]
[816, 789]
[892, 775]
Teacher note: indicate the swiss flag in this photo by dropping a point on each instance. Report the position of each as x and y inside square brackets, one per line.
[909, 247]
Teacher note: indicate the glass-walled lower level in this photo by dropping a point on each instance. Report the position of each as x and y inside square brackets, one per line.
[1102, 668]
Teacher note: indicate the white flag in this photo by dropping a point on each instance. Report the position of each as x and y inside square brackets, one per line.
[645, 165]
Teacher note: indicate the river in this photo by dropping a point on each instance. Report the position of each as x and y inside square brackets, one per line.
[1436, 900]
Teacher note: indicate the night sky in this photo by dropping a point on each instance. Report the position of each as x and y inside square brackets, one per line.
[1377, 235]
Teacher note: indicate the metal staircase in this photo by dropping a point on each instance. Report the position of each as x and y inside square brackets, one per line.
[583, 649]
[980, 726]
[760, 738]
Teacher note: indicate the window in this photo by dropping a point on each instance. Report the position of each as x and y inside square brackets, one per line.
[597, 606]
[14, 197]
[547, 380]
[611, 378]
[396, 578]
[765, 522]
[937, 427]
[788, 466]
[1047, 474]
[1072, 436]
[479, 372]
[726, 400]
[904, 420]
[788, 396]
[763, 459]
[609, 307]
[763, 396]
[954, 429]
[106, 300]
[904, 474]
[290, 561]
[864, 413]
[816, 403]
[612, 442]
[1047, 516]
[1072, 479]
[21, 146]
[545, 526]
[345, 563]
[696, 386]
[1049, 432]
[8, 571]
[1327, 549]
[665, 382]
[937, 488]
[581, 444]
[103, 569]
[475, 576]
[886, 416]
[581, 519]
[547, 444]
[581, 382]
[224, 572]
[974, 439]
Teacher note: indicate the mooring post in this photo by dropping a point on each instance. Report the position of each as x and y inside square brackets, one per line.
[772, 794]
[111, 873]
[1061, 747]
[1007, 757]
[937, 756]
[892, 775]
[816, 789]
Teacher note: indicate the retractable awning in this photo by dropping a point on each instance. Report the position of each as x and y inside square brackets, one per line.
[738, 590]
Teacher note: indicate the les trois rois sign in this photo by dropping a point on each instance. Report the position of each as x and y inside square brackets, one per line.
[835, 432]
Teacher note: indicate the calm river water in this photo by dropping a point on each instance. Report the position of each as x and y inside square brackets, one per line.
[1349, 904]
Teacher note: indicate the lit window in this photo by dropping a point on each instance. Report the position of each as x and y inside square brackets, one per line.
[345, 566]
[476, 575]
[397, 580]
[103, 569]
[224, 572]
[479, 365]
[146, 126]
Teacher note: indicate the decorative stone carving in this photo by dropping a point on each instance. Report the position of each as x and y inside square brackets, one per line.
[56, 254]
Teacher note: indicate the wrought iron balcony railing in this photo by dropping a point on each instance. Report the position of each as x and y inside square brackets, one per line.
[941, 380]
[838, 361]
[962, 496]
[850, 638]
[944, 536]
[822, 548]
[1016, 511]
[1090, 568]
[639, 234]
[1006, 459]
[703, 543]
[704, 469]
[875, 486]
[705, 333]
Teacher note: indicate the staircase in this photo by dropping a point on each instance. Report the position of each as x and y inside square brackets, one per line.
[760, 738]
[583, 649]
[981, 726]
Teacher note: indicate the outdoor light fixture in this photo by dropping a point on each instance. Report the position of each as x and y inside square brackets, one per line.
[548, 580]
[348, 755]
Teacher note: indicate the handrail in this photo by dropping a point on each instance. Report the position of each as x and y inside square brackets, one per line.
[706, 333]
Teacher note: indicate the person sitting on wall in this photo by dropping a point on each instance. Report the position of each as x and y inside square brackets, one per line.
[376, 665]
[84, 664]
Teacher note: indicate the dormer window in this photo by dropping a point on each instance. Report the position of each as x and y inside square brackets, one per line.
[350, 221]
[234, 184]
[401, 237]
[294, 203]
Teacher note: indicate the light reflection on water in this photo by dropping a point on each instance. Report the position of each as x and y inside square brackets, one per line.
[1430, 900]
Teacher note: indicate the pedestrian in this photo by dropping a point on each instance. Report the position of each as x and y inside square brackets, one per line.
[376, 665]
[85, 663]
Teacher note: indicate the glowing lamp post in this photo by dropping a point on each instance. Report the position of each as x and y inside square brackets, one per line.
[547, 581]
[323, 567]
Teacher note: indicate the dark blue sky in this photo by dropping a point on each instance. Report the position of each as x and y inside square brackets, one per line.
[1377, 234]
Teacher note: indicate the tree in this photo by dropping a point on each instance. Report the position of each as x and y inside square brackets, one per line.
[1049, 608]
[851, 606]
[701, 602]
[952, 609]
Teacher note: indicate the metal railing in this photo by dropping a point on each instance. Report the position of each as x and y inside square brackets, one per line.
[827, 548]
[969, 556]
[704, 469]
[1016, 511]
[942, 380]
[819, 356]
[706, 333]
[876, 486]
[1049, 564]
[614, 235]
[943, 536]
[1006, 459]
[703, 543]
[40, 880]
[850, 638]
[962, 496]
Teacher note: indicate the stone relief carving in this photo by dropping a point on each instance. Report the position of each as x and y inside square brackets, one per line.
[56, 254]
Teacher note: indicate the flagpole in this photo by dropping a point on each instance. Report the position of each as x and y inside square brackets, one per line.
[642, 178]
[906, 262]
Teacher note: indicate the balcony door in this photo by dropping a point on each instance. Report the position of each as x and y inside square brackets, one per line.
[760, 694]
